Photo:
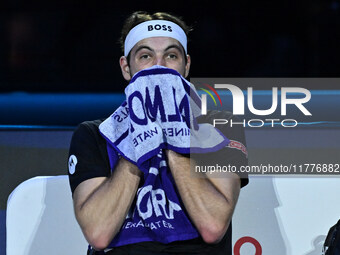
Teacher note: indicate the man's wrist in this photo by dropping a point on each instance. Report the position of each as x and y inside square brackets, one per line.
[170, 153]
[132, 168]
[176, 161]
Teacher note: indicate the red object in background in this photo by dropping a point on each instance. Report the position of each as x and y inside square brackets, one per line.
[247, 239]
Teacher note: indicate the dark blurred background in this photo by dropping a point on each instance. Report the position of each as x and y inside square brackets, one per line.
[71, 46]
[59, 67]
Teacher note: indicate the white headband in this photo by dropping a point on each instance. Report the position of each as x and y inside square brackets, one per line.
[154, 28]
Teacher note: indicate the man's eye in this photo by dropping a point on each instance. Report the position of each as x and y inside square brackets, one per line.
[172, 56]
[144, 56]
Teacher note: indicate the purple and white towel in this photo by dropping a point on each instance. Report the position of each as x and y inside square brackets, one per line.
[159, 113]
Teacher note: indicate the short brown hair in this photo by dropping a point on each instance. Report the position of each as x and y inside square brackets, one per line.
[140, 16]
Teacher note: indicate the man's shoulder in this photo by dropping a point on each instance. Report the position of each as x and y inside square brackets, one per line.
[88, 128]
[92, 124]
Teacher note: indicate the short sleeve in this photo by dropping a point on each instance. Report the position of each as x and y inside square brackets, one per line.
[87, 155]
[235, 155]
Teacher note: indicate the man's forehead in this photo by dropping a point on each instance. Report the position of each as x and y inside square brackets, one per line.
[158, 43]
[153, 29]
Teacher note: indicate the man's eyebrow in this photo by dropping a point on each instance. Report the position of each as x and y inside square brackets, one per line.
[174, 46]
[143, 47]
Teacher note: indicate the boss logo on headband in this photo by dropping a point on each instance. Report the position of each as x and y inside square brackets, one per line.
[159, 27]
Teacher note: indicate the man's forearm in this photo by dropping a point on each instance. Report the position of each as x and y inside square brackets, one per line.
[101, 204]
[210, 203]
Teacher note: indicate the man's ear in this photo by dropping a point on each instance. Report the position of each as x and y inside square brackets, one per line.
[187, 66]
[124, 66]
